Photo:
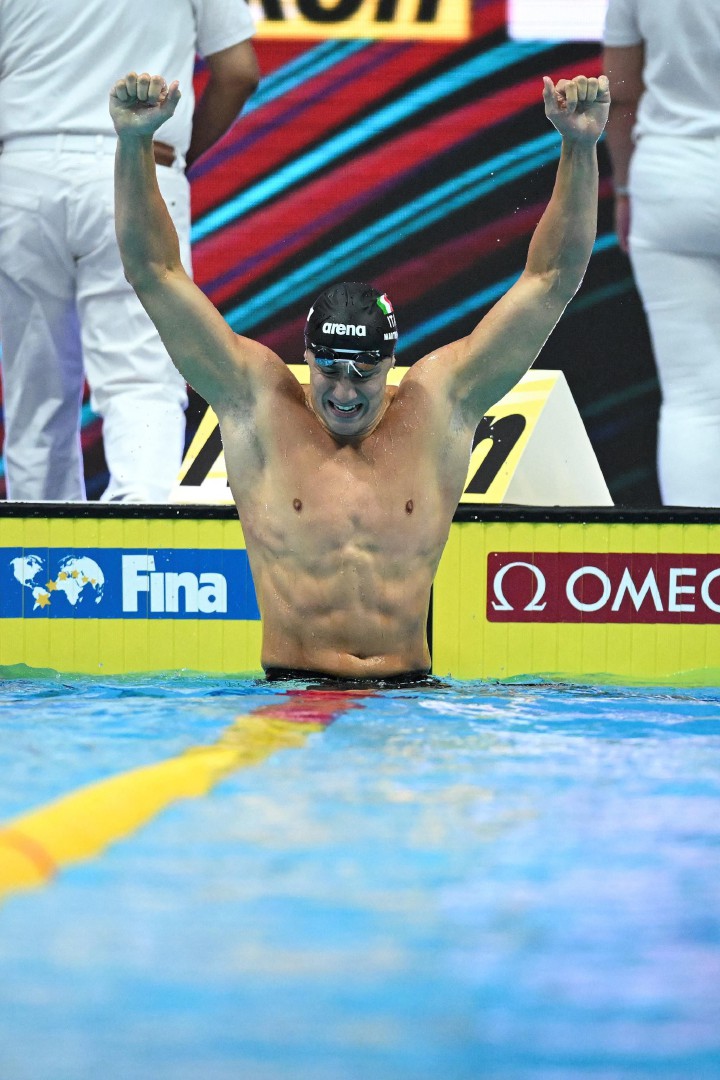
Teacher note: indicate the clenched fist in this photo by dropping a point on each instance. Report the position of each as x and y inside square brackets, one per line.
[139, 104]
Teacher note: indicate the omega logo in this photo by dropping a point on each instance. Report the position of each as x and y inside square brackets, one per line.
[501, 604]
[610, 587]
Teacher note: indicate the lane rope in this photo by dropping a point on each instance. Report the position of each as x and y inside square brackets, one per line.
[82, 824]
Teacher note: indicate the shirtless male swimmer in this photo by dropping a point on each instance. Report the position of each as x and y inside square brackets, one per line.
[346, 489]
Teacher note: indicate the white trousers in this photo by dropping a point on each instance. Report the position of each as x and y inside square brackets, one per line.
[675, 254]
[66, 313]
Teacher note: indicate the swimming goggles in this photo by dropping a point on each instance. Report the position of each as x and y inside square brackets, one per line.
[363, 364]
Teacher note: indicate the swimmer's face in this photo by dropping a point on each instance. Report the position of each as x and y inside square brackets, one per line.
[347, 402]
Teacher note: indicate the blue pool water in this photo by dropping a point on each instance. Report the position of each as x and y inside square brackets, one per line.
[495, 882]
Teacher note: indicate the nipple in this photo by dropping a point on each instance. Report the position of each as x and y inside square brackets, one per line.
[297, 505]
[409, 506]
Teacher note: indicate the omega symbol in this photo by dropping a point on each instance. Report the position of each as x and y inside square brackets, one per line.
[500, 603]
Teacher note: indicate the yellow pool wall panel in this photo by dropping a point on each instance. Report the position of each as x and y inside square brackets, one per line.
[490, 617]
[111, 646]
[469, 644]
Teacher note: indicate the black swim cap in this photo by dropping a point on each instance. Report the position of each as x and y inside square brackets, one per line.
[352, 315]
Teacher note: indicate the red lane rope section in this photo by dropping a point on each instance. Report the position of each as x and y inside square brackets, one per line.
[313, 706]
[31, 850]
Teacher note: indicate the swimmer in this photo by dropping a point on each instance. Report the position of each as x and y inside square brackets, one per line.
[346, 488]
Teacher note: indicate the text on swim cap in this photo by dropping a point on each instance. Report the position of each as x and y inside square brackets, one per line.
[344, 328]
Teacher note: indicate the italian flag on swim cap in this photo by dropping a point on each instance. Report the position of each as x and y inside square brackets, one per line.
[384, 304]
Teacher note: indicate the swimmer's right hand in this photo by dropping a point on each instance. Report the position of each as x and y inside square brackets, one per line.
[139, 104]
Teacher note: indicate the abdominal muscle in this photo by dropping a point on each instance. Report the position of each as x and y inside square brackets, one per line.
[343, 540]
[353, 614]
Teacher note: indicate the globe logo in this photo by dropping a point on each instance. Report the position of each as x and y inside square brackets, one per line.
[79, 580]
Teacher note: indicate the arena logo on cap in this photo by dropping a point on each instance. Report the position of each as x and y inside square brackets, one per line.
[569, 587]
[344, 328]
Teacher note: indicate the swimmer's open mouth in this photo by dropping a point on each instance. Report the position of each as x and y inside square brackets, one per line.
[345, 410]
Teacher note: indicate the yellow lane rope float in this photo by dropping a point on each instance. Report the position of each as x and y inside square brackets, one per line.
[80, 825]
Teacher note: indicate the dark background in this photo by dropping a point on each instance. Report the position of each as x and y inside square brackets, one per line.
[371, 161]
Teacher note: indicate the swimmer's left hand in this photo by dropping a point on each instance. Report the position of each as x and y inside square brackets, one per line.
[578, 107]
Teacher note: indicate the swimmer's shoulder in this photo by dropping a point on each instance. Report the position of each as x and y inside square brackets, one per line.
[428, 379]
[264, 373]
[434, 366]
[262, 361]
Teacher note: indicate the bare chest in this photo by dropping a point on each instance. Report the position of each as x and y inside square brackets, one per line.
[370, 501]
[385, 494]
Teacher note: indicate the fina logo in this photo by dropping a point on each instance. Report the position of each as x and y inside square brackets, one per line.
[114, 583]
[344, 328]
[206, 593]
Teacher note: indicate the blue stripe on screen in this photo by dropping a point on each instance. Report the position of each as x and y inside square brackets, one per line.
[474, 304]
[315, 61]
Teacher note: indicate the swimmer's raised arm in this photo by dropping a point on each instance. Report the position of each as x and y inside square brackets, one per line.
[216, 362]
[480, 368]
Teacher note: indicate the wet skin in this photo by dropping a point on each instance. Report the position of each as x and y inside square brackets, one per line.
[345, 514]
[346, 490]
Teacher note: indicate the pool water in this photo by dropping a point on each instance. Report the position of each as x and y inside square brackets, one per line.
[475, 881]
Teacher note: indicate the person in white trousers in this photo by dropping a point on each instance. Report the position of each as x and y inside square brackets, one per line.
[663, 60]
[66, 311]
